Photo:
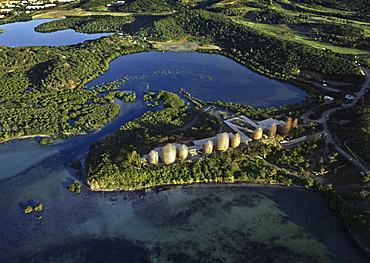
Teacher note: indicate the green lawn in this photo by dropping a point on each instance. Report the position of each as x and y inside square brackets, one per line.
[299, 32]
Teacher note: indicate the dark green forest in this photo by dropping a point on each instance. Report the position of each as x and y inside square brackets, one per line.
[114, 161]
[353, 5]
[91, 24]
[155, 5]
[42, 88]
[264, 53]
[90, 4]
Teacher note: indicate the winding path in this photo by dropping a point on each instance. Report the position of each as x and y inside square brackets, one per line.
[326, 114]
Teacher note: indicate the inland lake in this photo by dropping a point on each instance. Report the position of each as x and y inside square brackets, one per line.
[194, 223]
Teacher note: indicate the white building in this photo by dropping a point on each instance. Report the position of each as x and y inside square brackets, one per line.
[34, 7]
[265, 124]
[350, 97]
[244, 125]
[328, 98]
[6, 10]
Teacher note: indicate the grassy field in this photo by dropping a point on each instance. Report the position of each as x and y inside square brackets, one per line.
[298, 32]
[302, 32]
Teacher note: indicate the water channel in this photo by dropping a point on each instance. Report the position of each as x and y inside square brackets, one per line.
[197, 223]
[22, 34]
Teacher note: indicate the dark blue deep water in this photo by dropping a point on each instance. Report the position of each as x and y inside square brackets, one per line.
[21, 34]
[206, 77]
[198, 223]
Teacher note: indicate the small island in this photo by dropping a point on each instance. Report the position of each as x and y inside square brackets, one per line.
[321, 144]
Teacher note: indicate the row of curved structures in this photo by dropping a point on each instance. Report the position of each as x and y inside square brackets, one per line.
[245, 130]
[171, 151]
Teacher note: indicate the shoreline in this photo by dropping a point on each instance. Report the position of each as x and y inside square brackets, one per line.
[162, 187]
[159, 188]
[125, 214]
[41, 136]
[141, 192]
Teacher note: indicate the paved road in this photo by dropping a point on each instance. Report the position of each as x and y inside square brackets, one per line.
[361, 93]
[351, 159]
[326, 115]
[295, 141]
[327, 88]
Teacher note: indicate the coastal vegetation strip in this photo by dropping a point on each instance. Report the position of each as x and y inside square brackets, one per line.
[42, 88]
[114, 162]
[91, 24]
[242, 43]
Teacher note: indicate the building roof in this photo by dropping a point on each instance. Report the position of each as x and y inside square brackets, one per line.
[199, 143]
[328, 98]
[242, 123]
[243, 138]
[268, 123]
[350, 97]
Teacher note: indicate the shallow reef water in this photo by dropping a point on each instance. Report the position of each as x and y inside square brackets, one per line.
[197, 223]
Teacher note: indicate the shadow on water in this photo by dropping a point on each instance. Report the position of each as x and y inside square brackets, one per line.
[310, 210]
[249, 224]
[92, 251]
[23, 205]
[67, 182]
